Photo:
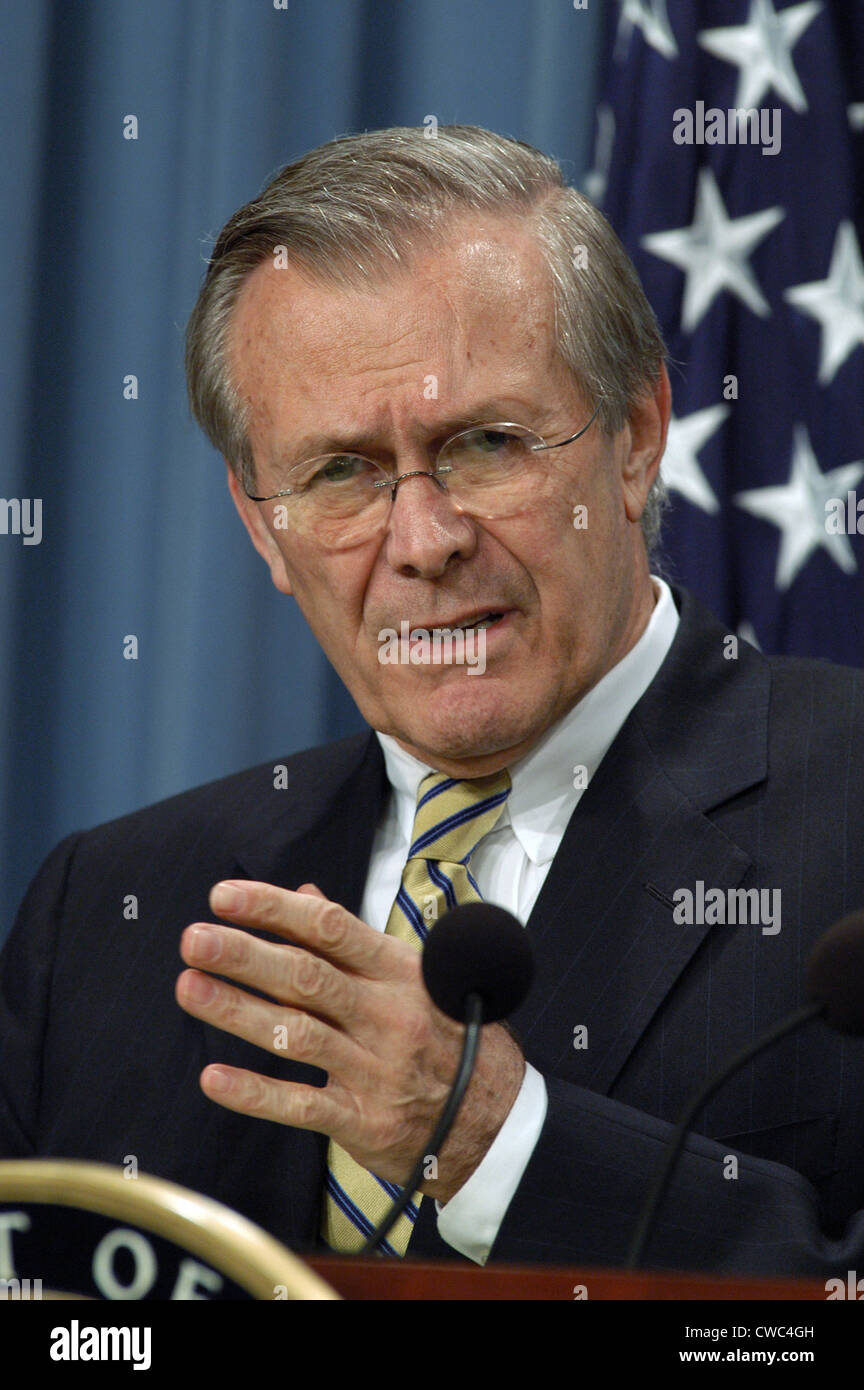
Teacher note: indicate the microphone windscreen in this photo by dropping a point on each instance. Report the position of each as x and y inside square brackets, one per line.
[835, 975]
[478, 948]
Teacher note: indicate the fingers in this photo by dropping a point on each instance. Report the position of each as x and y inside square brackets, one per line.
[306, 917]
[288, 974]
[338, 995]
[288, 1103]
[285, 1032]
[312, 890]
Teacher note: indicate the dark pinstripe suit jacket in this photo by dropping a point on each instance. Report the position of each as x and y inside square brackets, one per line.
[738, 773]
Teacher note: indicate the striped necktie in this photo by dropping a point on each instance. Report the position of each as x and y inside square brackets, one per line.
[450, 821]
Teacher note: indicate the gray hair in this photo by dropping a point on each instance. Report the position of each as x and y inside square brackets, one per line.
[361, 205]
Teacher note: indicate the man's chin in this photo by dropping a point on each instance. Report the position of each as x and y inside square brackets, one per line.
[466, 721]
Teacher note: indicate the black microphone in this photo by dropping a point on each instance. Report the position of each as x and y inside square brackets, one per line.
[477, 966]
[480, 949]
[835, 988]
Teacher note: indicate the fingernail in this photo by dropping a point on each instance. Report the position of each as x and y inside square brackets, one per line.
[204, 944]
[218, 1080]
[200, 989]
[226, 897]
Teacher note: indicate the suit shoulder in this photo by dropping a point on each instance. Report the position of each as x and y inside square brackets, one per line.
[800, 678]
[803, 666]
[816, 720]
[226, 801]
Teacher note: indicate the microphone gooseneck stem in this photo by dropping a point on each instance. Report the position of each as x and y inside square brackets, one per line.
[471, 1041]
[649, 1213]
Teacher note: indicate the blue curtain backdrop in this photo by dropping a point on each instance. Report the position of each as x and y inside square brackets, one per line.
[102, 246]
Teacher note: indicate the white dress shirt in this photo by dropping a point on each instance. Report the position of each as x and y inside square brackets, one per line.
[510, 865]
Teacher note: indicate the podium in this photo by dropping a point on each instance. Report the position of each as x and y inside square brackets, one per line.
[388, 1279]
[89, 1232]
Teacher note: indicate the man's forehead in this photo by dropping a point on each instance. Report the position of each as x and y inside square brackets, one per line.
[335, 366]
[481, 281]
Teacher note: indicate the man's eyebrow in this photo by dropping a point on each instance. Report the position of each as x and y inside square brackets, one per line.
[317, 445]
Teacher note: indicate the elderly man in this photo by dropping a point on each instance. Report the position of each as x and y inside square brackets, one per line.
[442, 399]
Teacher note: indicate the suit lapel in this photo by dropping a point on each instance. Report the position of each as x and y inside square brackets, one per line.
[323, 832]
[608, 951]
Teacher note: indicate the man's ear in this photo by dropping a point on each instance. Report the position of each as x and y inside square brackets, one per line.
[648, 426]
[262, 537]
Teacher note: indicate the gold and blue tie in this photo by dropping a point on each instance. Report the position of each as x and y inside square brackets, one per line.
[450, 821]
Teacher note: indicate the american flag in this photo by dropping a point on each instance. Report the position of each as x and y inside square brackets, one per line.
[747, 234]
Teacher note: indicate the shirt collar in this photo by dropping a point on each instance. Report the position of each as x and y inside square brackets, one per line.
[544, 796]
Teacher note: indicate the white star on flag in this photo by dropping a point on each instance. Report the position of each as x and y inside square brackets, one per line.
[837, 303]
[650, 16]
[594, 182]
[680, 468]
[713, 252]
[798, 509]
[748, 632]
[762, 48]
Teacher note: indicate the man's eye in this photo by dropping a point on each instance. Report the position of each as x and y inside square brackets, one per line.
[489, 441]
[340, 468]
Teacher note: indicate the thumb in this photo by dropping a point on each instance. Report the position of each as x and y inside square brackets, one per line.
[312, 891]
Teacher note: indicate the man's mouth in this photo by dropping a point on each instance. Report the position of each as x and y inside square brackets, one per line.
[477, 622]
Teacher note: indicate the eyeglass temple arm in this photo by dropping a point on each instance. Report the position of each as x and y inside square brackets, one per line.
[537, 448]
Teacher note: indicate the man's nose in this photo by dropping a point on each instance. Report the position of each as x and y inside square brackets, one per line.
[425, 530]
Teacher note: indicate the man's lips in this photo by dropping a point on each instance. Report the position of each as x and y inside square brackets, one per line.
[465, 620]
